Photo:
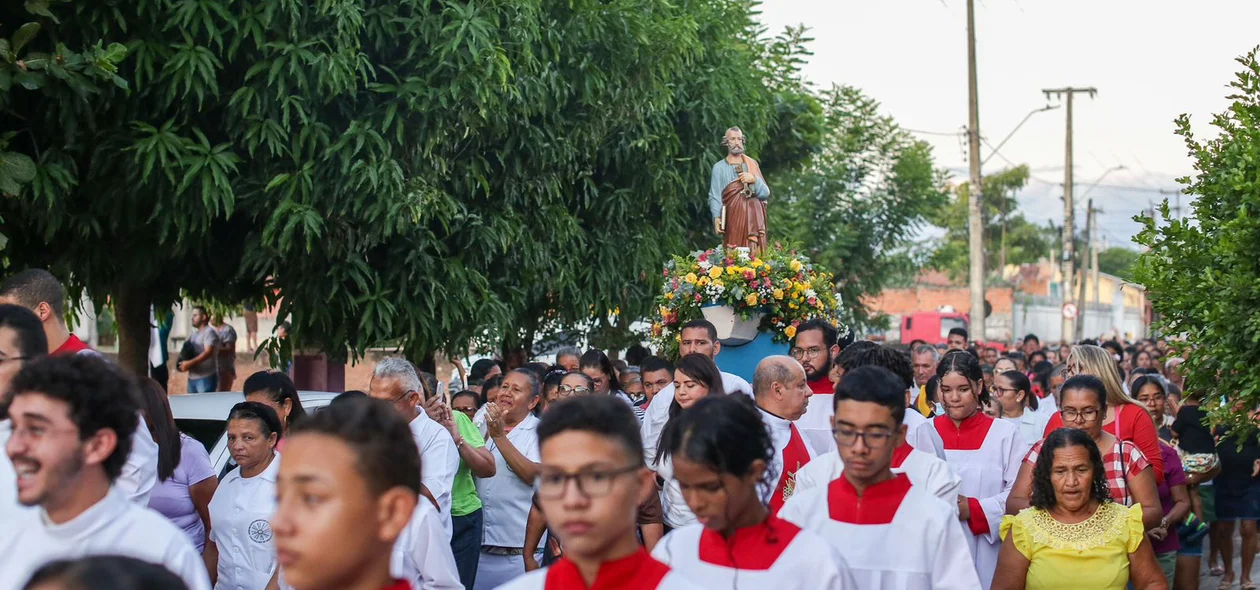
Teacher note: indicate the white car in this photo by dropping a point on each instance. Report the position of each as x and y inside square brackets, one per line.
[203, 416]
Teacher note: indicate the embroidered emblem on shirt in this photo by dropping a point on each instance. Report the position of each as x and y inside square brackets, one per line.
[260, 531]
[789, 486]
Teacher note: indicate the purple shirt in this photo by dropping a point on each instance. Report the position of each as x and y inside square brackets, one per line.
[171, 497]
[1173, 475]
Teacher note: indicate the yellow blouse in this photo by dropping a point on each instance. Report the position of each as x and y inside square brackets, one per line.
[1093, 553]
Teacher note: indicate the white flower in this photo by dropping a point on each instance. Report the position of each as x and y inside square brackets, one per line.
[810, 293]
[704, 265]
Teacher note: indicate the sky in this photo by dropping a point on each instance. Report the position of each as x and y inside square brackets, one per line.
[1150, 61]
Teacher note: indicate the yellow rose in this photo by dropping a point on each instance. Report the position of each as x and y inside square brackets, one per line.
[669, 296]
[703, 281]
[751, 299]
[715, 272]
[690, 278]
[790, 332]
[795, 265]
[778, 293]
[730, 270]
[665, 310]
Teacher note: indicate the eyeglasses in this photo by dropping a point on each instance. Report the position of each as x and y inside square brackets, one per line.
[806, 353]
[1000, 390]
[11, 358]
[592, 484]
[568, 390]
[875, 440]
[1070, 415]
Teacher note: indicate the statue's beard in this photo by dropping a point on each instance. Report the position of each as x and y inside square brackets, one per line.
[735, 150]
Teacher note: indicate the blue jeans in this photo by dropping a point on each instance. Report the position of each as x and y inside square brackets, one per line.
[203, 385]
[466, 545]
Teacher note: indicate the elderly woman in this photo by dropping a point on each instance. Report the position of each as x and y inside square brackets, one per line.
[1129, 474]
[1073, 535]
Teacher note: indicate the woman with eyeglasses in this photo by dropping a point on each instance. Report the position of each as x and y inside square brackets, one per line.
[1013, 392]
[984, 452]
[721, 453]
[595, 364]
[1126, 419]
[1129, 473]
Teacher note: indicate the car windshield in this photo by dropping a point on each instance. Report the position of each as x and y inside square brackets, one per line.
[207, 432]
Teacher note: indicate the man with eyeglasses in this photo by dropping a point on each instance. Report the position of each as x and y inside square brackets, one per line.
[890, 532]
[816, 347]
[591, 479]
[396, 381]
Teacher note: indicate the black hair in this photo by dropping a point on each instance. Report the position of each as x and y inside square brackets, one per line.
[875, 385]
[202, 309]
[553, 379]
[467, 393]
[931, 389]
[705, 324]
[1036, 353]
[33, 286]
[161, 423]
[698, 367]
[1113, 346]
[32, 343]
[481, 368]
[636, 353]
[538, 368]
[1088, 383]
[428, 384]
[105, 572]
[348, 396]
[1032, 338]
[1043, 490]
[959, 332]
[278, 387]
[875, 355]
[385, 453]
[601, 415]
[656, 363]
[590, 383]
[99, 394]
[830, 335]
[268, 421]
[596, 359]
[967, 365]
[723, 433]
[1145, 380]
[491, 383]
[1020, 382]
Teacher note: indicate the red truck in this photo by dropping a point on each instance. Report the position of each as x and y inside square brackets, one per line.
[931, 326]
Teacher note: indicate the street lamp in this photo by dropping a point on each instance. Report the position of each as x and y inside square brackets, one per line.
[1012, 133]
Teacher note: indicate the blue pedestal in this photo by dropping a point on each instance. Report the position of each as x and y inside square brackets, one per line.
[742, 360]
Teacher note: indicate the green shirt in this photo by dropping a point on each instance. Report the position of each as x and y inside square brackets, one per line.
[464, 498]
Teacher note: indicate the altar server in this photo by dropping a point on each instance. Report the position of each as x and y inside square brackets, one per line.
[721, 455]
[986, 453]
[591, 481]
[782, 395]
[891, 534]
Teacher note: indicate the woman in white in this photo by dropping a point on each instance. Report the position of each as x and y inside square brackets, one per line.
[511, 431]
[240, 553]
[695, 378]
[1013, 392]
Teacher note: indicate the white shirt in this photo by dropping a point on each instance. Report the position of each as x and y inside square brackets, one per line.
[9, 506]
[139, 474]
[657, 413]
[439, 460]
[1031, 426]
[925, 470]
[780, 434]
[780, 556]
[926, 440]
[816, 424]
[422, 554]
[505, 499]
[112, 526]
[674, 509]
[910, 539]
[240, 525]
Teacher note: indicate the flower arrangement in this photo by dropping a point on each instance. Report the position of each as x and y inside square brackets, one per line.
[780, 282]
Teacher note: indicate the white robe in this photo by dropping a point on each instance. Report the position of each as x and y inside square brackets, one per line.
[775, 554]
[925, 471]
[422, 553]
[986, 454]
[895, 536]
[637, 571]
[657, 413]
[816, 424]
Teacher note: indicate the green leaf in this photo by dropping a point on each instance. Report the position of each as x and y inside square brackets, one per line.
[17, 166]
[24, 35]
[40, 7]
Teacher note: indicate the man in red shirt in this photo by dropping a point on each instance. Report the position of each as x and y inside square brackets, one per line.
[39, 291]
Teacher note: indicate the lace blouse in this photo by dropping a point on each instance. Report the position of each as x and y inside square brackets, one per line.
[1093, 553]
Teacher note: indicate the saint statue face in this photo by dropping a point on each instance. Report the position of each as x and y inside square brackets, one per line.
[734, 141]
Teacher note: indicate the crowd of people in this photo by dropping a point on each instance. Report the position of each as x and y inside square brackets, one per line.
[842, 465]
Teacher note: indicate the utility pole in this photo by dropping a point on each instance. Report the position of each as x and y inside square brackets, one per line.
[1089, 255]
[1093, 247]
[975, 224]
[1069, 221]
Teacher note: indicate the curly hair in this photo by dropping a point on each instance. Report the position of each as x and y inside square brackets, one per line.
[98, 394]
[1043, 496]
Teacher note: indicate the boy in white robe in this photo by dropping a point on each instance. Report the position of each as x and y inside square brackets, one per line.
[890, 533]
[591, 481]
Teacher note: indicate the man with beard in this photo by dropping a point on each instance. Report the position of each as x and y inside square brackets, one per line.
[737, 185]
[815, 347]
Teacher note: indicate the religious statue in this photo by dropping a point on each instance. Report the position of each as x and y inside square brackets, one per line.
[737, 196]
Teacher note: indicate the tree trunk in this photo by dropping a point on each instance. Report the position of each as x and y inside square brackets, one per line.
[131, 310]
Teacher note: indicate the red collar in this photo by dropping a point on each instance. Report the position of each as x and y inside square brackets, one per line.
[900, 453]
[751, 548]
[398, 585]
[822, 386]
[877, 505]
[636, 572]
[968, 436]
[72, 345]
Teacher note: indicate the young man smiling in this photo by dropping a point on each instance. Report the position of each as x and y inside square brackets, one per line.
[591, 481]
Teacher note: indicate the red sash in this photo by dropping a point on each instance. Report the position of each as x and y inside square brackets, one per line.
[72, 345]
[795, 456]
